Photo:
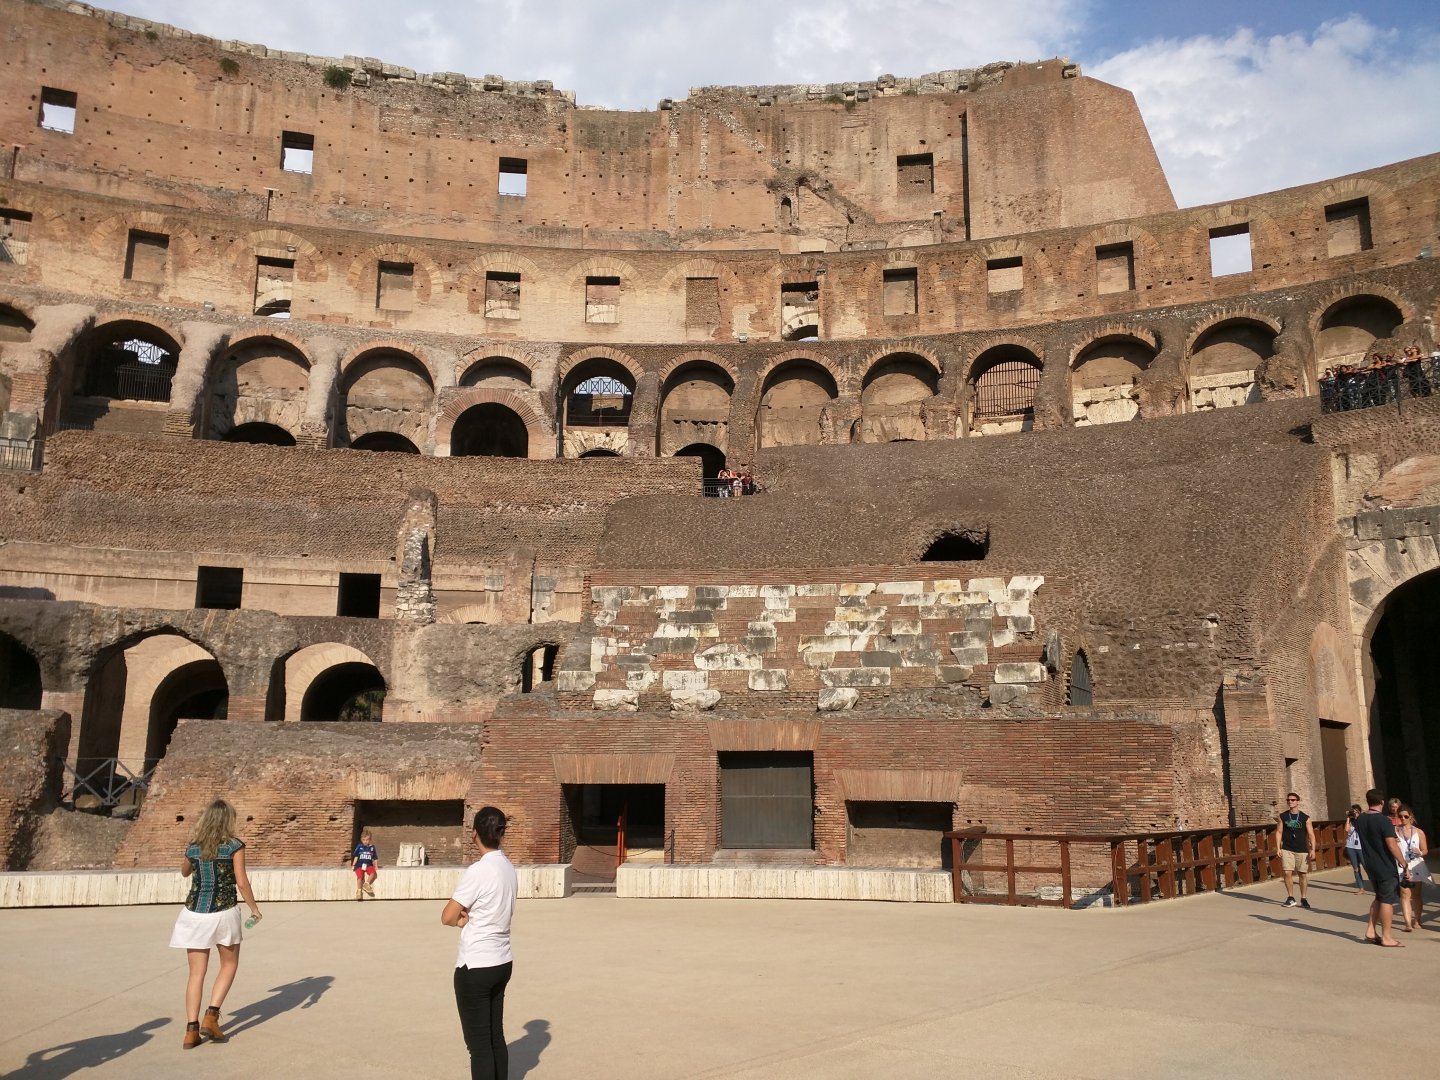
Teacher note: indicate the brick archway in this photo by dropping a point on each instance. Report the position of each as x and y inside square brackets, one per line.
[540, 435]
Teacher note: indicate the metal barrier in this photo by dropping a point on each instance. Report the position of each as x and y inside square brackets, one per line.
[1387, 385]
[107, 780]
[22, 455]
[725, 489]
[1140, 868]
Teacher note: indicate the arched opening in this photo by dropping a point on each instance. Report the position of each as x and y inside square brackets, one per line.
[1080, 690]
[1350, 326]
[599, 453]
[15, 325]
[260, 435]
[786, 217]
[384, 390]
[489, 430]
[1405, 707]
[958, 545]
[712, 460]
[497, 373]
[1103, 382]
[261, 380]
[892, 399]
[595, 402]
[695, 407]
[348, 692]
[538, 667]
[792, 403]
[195, 691]
[1223, 362]
[1003, 382]
[125, 361]
[385, 442]
[19, 676]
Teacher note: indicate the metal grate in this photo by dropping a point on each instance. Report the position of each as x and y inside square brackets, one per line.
[1007, 389]
[1081, 691]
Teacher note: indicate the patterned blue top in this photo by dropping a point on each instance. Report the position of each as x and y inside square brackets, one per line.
[212, 885]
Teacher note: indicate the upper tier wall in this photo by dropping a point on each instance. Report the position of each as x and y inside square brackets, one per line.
[181, 121]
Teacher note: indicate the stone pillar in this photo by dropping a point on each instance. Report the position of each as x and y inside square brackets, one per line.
[315, 428]
[838, 420]
[644, 428]
[414, 588]
[1161, 388]
[203, 342]
[1286, 373]
[37, 370]
[1254, 757]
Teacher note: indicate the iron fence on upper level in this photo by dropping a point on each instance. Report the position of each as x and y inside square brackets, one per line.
[1345, 390]
[21, 455]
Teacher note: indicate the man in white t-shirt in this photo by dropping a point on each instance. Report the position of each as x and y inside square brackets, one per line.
[482, 907]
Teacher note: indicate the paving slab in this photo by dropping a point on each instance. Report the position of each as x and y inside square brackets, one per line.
[1230, 985]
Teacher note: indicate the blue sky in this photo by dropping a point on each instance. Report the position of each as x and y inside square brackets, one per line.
[1240, 98]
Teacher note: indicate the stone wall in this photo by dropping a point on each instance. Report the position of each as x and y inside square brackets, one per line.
[32, 746]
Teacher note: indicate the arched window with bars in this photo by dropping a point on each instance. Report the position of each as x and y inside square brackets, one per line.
[1080, 690]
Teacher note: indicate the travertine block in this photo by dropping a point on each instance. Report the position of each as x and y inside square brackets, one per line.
[837, 699]
[855, 677]
[1019, 673]
[684, 680]
[624, 700]
[769, 679]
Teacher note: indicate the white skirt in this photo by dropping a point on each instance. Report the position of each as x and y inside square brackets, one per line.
[194, 930]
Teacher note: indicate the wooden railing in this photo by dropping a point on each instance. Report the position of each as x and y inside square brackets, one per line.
[1056, 869]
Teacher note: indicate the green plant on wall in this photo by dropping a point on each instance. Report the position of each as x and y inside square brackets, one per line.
[229, 65]
[337, 77]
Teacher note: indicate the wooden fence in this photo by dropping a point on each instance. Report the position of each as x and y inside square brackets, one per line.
[1056, 869]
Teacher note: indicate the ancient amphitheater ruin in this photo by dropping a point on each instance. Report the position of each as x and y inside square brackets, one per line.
[333, 392]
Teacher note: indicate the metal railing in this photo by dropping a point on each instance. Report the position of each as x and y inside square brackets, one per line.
[107, 780]
[725, 489]
[1368, 387]
[1054, 870]
[22, 455]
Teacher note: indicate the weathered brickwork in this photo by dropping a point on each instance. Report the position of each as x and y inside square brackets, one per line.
[951, 309]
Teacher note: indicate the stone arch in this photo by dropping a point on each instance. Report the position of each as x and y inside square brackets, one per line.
[536, 429]
[696, 393]
[600, 266]
[675, 277]
[260, 433]
[359, 352]
[489, 430]
[1222, 356]
[169, 678]
[893, 393]
[365, 266]
[796, 393]
[596, 421]
[1385, 210]
[261, 377]
[385, 389]
[383, 442]
[1081, 263]
[1105, 372]
[1001, 386]
[275, 244]
[305, 667]
[1348, 324]
[472, 280]
[471, 613]
[497, 370]
[16, 323]
[1035, 262]
[21, 681]
[596, 352]
[108, 239]
[128, 358]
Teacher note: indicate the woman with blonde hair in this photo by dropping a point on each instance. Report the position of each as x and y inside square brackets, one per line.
[215, 863]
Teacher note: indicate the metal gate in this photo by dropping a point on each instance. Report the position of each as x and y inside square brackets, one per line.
[1081, 690]
[767, 800]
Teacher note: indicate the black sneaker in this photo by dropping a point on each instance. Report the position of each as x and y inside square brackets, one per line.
[1305, 904]
[1289, 902]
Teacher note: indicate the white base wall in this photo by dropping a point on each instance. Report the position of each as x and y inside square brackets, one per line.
[784, 883]
[120, 888]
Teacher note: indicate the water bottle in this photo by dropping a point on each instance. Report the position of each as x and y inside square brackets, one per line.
[251, 921]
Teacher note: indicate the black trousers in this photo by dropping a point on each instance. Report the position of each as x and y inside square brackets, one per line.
[480, 999]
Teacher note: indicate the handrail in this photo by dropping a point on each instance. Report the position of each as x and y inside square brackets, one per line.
[1341, 391]
[1141, 866]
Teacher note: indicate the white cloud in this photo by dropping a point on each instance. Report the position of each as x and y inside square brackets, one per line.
[1243, 114]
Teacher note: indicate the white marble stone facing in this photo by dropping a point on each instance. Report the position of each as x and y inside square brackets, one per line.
[124, 888]
[1223, 391]
[783, 883]
[1106, 404]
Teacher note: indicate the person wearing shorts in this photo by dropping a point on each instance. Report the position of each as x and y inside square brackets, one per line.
[1295, 844]
[364, 861]
[1380, 852]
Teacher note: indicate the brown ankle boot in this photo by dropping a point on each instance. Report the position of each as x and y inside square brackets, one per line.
[192, 1035]
[210, 1025]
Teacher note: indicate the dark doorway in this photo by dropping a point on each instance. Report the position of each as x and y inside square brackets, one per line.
[1338, 795]
[489, 430]
[384, 442]
[909, 834]
[767, 799]
[19, 676]
[712, 458]
[538, 667]
[438, 825]
[260, 435]
[196, 691]
[1405, 711]
[353, 691]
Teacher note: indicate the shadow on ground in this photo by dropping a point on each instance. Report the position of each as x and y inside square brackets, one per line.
[55, 1062]
[300, 994]
[525, 1051]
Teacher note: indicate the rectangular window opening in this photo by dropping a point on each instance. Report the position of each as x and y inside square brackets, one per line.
[602, 299]
[413, 832]
[395, 286]
[1115, 268]
[915, 174]
[502, 295]
[297, 152]
[145, 256]
[359, 596]
[900, 291]
[800, 310]
[513, 176]
[1005, 275]
[1347, 228]
[58, 109]
[702, 303]
[14, 237]
[767, 799]
[219, 587]
[274, 285]
[1230, 251]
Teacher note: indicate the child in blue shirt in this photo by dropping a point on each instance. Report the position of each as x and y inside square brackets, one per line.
[364, 862]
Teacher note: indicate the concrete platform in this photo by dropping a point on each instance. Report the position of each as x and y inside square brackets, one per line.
[1228, 986]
